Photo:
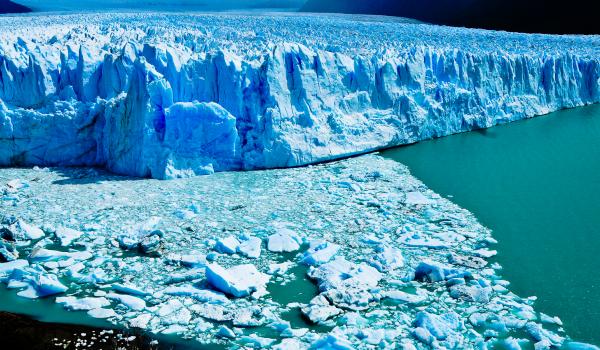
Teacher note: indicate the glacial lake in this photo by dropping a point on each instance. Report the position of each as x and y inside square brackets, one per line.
[536, 184]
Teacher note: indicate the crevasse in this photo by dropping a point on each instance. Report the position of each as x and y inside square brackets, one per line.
[152, 108]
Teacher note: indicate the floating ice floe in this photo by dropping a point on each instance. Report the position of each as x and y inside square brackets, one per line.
[284, 240]
[83, 304]
[145, 236]
[320, 252]
[238, 281]
[227, 245]
[14, 229]
[250, 247]
[67, 235]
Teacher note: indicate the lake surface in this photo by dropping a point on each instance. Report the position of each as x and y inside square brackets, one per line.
[536, 184]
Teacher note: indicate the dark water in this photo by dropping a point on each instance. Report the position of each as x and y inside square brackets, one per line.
[536, 184]
[52, 325]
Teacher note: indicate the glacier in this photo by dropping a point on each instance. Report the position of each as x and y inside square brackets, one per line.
[172, 95]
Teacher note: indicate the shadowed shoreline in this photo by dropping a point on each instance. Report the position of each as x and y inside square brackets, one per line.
[22, 332]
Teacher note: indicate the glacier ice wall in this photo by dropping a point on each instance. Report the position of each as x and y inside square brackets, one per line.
[168, 96]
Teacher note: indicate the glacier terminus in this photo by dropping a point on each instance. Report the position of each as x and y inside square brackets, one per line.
[168, 95]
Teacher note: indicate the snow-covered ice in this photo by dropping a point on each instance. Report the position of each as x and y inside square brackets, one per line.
[172, 95]
[238, 281]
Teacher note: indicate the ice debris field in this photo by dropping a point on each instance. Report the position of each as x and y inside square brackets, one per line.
[168, 95]
[351, 254]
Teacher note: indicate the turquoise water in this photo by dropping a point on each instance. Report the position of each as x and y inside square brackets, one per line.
[536, 184]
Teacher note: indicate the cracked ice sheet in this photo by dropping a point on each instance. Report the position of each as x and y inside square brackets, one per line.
[382, 281]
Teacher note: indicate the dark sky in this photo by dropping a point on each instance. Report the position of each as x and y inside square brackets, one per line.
[167, 5]
[532, 16]
[7, 6]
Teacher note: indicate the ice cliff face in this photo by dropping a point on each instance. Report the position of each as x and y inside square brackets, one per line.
[168, 96]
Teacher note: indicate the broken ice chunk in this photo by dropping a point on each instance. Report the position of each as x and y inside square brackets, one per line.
[417, 198]
[403, 297]
[320, 309]
[284, 240]
[340, 274]
[42, 255]
[250, 248]
[320, 252]
[191, 259]
[16, 184]
[226, 332]
[38, 282]
[539, 334]
[439, 326]
[7, 252]
[7, 268]
[432, 271]
[227, 245]
[129, 289]
[174, 312]
[485, 253]
[130, 301]
[66, 235]
[256, 342]
[238, 281]
[474, 293]
[414, 239]
[102, 313]
[332, 341]
[140, 321]
[549, 319]
[388, 258]
[346, 284]
[145, 236]
[83, 304]
[279, 269]
[19, 230]
[202, 295]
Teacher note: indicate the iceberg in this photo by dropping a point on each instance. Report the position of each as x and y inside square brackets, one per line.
[227, 245]
[320, 252]
[85, 304]
[19, 230]
[284, 240]
[129, 301]
[173, 95]
[251, 247]
[237, 281]
[66, 235]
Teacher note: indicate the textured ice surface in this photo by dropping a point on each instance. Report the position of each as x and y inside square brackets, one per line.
[342, 221]
[167, 95]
